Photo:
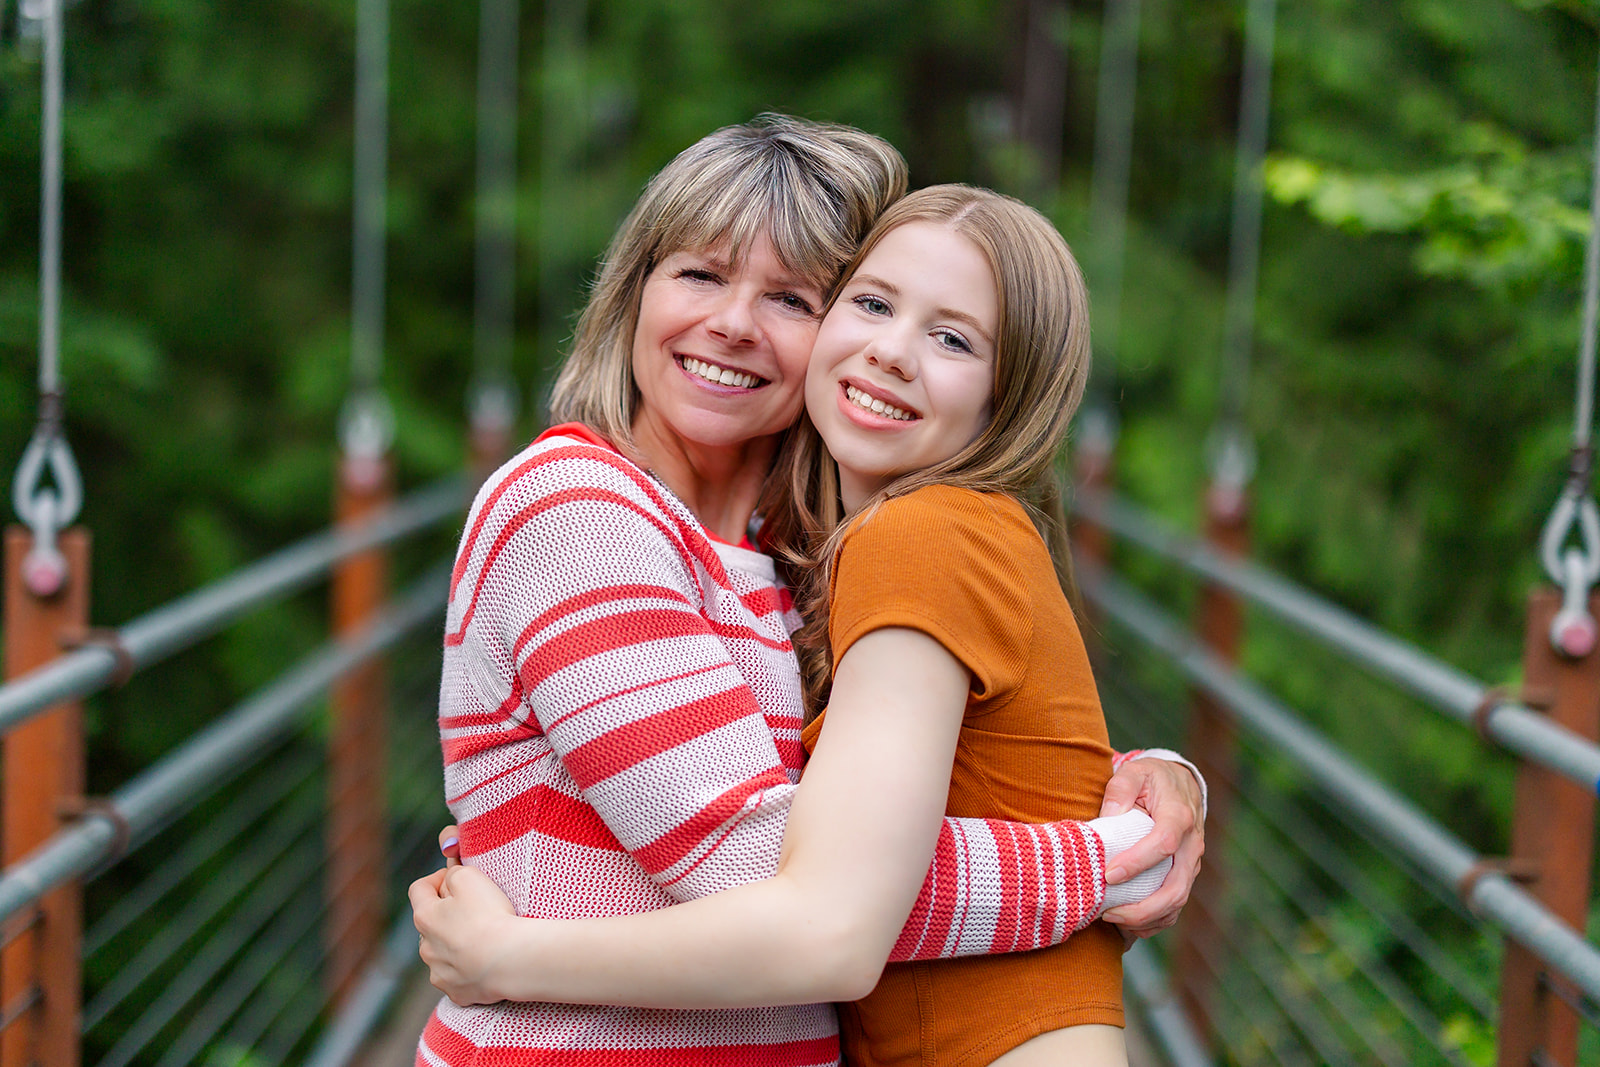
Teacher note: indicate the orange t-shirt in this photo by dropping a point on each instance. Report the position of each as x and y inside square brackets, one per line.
[970, 570]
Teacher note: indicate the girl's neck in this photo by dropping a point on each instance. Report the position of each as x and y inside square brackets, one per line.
[855, 490]
[721, 484]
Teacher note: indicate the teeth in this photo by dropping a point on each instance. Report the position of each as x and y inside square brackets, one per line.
[720, 375]
[873, 404]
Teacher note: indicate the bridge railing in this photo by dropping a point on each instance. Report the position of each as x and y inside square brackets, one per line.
[219, 915]
[1313, 953]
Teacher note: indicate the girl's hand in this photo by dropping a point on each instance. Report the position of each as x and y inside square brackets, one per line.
[1171, 796]
[462, 917]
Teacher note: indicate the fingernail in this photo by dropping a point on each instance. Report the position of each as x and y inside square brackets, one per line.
[449, 843]
[1115, 875]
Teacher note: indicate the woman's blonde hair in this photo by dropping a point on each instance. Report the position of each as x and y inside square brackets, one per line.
[814, 188]
[1041, 363]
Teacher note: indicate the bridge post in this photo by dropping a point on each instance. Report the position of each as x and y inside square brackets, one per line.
[1094, 472]
[1552, 842]
[40, 968]
[1201, 934]
[357, 853]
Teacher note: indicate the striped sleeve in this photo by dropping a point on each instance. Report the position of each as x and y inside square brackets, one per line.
[1004, 887]
[592, 587]
[591, 583]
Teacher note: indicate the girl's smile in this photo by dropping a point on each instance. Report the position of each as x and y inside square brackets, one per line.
[903, 369]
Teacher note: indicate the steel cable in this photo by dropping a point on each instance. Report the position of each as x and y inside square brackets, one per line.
[1298, 831]
[1108, 198]
[181, 623]
[283, 834]
[294, 924]
[1583, 414]
[1445, 858]
[242, 813]
[493, 399]
[1513, 726]
[267, 898]
[1244, 251]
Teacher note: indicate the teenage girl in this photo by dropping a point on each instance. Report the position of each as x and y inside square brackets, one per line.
[941, 383]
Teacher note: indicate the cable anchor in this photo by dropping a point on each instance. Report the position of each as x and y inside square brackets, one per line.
[45, 509]
[366, 430]
[1573, 632]
[1231, 458]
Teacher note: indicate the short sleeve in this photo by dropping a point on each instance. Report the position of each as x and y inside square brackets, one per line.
[947, 562]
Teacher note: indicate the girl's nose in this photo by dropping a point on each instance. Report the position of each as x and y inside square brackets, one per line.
[892, 353]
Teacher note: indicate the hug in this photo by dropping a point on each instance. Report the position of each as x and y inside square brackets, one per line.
[798, 515]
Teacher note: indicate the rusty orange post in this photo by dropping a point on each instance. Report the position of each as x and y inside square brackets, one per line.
[1093, 473]
[1219, 623]
[488, 445]
[1552, 843]
[357, 868]
[40, 970]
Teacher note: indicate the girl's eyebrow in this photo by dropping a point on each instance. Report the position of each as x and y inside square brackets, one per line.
[876, 282]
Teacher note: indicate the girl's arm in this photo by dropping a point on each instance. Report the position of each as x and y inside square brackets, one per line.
[860, 832]
[707, 810]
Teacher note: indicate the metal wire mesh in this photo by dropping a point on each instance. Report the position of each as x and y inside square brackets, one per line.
[209, 944]
[1334, 954]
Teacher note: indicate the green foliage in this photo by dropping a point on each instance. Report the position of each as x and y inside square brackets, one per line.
[1417, 313]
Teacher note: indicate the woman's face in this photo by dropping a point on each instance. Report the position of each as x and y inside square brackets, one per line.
[720, 350]
[903, 369]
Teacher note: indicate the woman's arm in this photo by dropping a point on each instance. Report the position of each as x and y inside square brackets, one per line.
[707, 811]
[859, 838]
[860, 834]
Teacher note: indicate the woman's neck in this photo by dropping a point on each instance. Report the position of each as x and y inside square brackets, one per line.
[721, 484]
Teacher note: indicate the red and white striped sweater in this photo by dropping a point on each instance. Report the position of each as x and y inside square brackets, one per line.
[620, 714]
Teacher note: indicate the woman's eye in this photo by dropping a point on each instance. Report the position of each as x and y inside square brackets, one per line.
[872, 305]
[796, 302]
[953, 340]
[697, 274]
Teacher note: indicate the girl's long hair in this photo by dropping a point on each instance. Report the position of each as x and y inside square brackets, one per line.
[1041, 364]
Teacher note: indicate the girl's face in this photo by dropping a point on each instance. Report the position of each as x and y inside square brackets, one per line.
[720, 350]
[903, 368]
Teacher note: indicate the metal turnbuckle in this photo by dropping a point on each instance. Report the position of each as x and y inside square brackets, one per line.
[46, 510]
[1575, 569]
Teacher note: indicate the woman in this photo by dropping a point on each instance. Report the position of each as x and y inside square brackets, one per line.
[620, 703]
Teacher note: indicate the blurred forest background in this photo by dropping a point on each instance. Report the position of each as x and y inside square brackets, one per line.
[1417, 324]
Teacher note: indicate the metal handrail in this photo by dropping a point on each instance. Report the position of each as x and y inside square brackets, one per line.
[1508, 722]
[1491, 894]
[186, 620]
[349, 1029]
[216, 754]
[1168, 1022]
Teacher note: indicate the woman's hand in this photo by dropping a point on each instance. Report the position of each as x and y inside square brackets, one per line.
[450, 845]
[462, 917]
[1171, 795]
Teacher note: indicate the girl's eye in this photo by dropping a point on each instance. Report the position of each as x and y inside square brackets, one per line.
[951, 339]
[872, 305]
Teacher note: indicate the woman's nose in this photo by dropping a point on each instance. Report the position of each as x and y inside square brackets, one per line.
[733, 320]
